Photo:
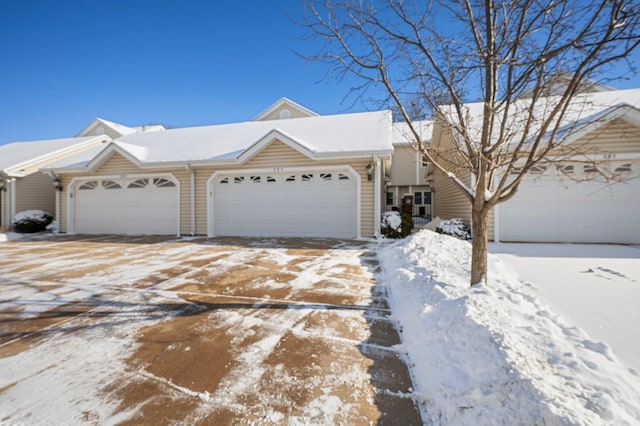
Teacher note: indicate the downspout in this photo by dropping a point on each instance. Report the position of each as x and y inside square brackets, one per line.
[12, 203]
[376, 195]
[3, 201]
[192, 199]
[58, 192]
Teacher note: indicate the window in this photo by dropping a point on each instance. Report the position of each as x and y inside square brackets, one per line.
[238, 179]
[271, 179]
[163, 183]
[140, 183]
[537, 170]
[255, 179]
[93, 184]
[567, 169]
[421, 198]
[109, 184]
[389, 199]
[624, 168]
[342, 176]
[424, 161]
[325, 176]
[590, 169]
[291, 178]
[225, 180]
[307, 177]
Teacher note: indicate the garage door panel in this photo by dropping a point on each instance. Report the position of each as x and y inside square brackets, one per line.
[126, 210]
[311, 207]
[548, 210]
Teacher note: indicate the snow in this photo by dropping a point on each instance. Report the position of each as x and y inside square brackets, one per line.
[330, 134]
[15, 155]
[596, 286]
[30, 215]
[496, 354]
[392, 219]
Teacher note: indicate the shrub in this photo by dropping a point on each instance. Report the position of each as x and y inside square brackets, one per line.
[396, 225]
[454, 227]
[30, 221]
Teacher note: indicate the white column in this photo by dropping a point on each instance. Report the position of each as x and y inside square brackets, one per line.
[12, 203]
[376, 194]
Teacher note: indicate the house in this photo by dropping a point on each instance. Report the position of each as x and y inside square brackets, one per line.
[408, 177]
[562, 202]
[288, 173]
[22, 185]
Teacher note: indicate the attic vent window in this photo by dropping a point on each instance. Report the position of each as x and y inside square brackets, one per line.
[284, 114]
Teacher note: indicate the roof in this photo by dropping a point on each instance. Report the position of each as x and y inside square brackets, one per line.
[594, 107]
[120, 129]
[330, 136]
[402, 134]
[17, 156]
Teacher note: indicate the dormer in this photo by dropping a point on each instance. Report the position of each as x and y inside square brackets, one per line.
[284, 109]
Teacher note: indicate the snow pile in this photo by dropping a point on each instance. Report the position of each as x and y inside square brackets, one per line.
[496, 355]
[392, 220]
[35, 215]
[455, 227]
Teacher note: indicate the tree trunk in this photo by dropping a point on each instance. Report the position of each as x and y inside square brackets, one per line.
[479, 242]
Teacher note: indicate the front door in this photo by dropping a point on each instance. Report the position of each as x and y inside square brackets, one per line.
[407, 204]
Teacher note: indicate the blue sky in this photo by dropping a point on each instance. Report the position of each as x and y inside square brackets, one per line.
[177, 63]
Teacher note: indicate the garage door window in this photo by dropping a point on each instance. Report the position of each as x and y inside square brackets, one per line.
[89, 185]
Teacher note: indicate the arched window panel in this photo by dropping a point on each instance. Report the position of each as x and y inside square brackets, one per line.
[92, 184]
[163, 183]
[110, 184]
[140, 183]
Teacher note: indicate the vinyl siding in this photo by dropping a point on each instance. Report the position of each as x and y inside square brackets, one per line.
[295, 113]
[35, 192]
[616, 137]
[403, 166]
[276, 155]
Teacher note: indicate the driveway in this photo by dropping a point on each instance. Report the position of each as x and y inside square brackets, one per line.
[125, 330]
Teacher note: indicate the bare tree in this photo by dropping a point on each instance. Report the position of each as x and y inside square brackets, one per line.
[506, 54]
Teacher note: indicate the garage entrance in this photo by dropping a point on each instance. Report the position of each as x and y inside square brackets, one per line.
[313, 203]
[135, 206]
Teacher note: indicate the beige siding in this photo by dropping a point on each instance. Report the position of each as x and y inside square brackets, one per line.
[295, 113]
[615, 137]
[35, 192]
[275, 155]
[403, 166]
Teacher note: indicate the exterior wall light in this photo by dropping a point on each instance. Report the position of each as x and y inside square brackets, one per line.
[369, 171]
[57, 185]
[3, 186]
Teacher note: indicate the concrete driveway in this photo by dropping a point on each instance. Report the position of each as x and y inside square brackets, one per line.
[126, 330]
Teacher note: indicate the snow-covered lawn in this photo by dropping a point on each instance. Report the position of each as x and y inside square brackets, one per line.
[497, 354]
[596, 287]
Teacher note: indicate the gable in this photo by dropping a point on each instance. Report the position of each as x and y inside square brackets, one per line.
[279, 154]
[617, 136]
[284, 109]
[116, 164]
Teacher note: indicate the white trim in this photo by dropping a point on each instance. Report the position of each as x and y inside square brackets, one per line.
[71, 190]
[13, 189]
[210, 208]
[3, 207]
[271, 137]
[625, 112]
[418, 162]
[193, 200]
[105, 155]
[376, 196]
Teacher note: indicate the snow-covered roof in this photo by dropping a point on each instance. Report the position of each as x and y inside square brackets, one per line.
[585, 108]
[402, 134]
[16, 156]
[330, 136]
[119, 129]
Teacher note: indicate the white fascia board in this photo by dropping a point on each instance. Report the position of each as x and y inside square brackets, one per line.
[268, 139]
[105, 154]
[14, 171]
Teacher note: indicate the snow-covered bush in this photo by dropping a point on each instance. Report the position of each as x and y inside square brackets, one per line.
[30, 221]
[454, 227]
[396, 225]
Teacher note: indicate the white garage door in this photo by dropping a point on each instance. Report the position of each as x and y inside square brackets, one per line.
[304, 204]
[546, 209]
[133, 206]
